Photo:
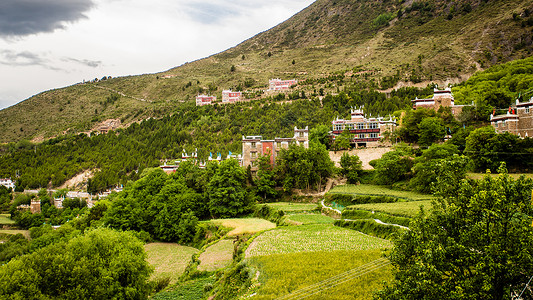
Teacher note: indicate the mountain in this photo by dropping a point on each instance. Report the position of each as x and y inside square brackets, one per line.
[330, 45]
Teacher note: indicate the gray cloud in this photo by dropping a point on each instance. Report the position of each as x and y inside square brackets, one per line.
[85, 62]
[26, 17]
[24, 59]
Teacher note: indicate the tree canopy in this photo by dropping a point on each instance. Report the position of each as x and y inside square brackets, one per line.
[476, 243]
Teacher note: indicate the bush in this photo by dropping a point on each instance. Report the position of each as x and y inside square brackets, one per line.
[269, 213]
[347, 200]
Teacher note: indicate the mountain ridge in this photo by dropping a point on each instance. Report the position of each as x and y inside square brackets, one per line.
[375, 45]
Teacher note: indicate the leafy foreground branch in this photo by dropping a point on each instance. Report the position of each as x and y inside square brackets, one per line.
[476, 243]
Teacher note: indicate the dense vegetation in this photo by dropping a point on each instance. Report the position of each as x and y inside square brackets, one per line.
[475, 243]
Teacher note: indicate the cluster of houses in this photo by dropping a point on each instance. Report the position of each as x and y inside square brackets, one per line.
[229, 96]
[518, 120]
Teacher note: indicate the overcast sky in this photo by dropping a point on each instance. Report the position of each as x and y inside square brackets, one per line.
[47, 44]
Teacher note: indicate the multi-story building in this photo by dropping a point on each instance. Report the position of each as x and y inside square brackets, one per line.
[230, 97]
[518, 120]
[8, 183]
[205, 100]
[35, 206]
[281, 85]
[440, 98]
[254, 146]
[367, 131]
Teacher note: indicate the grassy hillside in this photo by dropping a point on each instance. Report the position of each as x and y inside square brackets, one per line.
[377, 44]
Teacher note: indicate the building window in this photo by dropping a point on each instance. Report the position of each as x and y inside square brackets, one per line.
[361, 136]
[373, 125]
[253, 145]
[253, 154]
[360, 126]
[338, 127]
[374, 135]
[301, 134]
[278, 145]
[527, 109]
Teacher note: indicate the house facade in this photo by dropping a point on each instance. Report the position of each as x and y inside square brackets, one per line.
[368, 132]
[8, 183]
[229, 96]
[440, 98]
[281, 85]
[255, 146]
[205, 100]
[518, 120]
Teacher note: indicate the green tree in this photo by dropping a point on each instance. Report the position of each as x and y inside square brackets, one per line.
[431, 130]
[102, 264]
[476, 243]
[320, 134]
[228, 196]
[344, 140]
[393, 166]
[351, 167]
[427, 166]
[265, 180]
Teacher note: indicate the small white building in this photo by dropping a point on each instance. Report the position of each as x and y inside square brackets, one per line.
[281, 85]
[7, 182]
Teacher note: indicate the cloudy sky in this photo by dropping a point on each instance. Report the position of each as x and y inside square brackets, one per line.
[47, 44]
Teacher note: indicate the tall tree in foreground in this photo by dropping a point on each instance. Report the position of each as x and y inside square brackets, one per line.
[102, 264]
[476, 243]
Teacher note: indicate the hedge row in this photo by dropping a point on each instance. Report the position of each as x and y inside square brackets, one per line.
[370, 227]
[357, 214]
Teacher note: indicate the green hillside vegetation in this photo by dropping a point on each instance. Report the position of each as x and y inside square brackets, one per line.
[334, 44]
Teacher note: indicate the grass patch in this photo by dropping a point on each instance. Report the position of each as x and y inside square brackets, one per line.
[26, 233]
[290, 207]
[216, 256]
[241, 226]
[316, 237]
[404, 209]
[304, 219]
[191, 290]
[378, 190]
[5, 220]
[282, 274]
[168, 259]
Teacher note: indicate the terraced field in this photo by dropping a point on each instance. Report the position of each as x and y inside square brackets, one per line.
[248, 225]
[216, 256]
[306, 218]
[317, 237]
[168, 259]
[378, 190]
[291, 207]
[320, 275]
[405, 209]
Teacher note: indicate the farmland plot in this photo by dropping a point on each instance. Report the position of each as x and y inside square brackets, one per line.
[378, 190]
[282, 274]
[216, 256]
[248, 225]
[310, 219]
[317, 237]
[292, 207]
[405, 209]
[168, 259]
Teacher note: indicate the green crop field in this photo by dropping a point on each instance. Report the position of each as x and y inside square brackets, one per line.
[304, 219]
[5, 220]
[281, 274]
[378, 190]
[405, 209]
[317, 237]
[248, 225]
[513, 175]
[216, 256]
[168, 259]
[191, 290]
[289, 207]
